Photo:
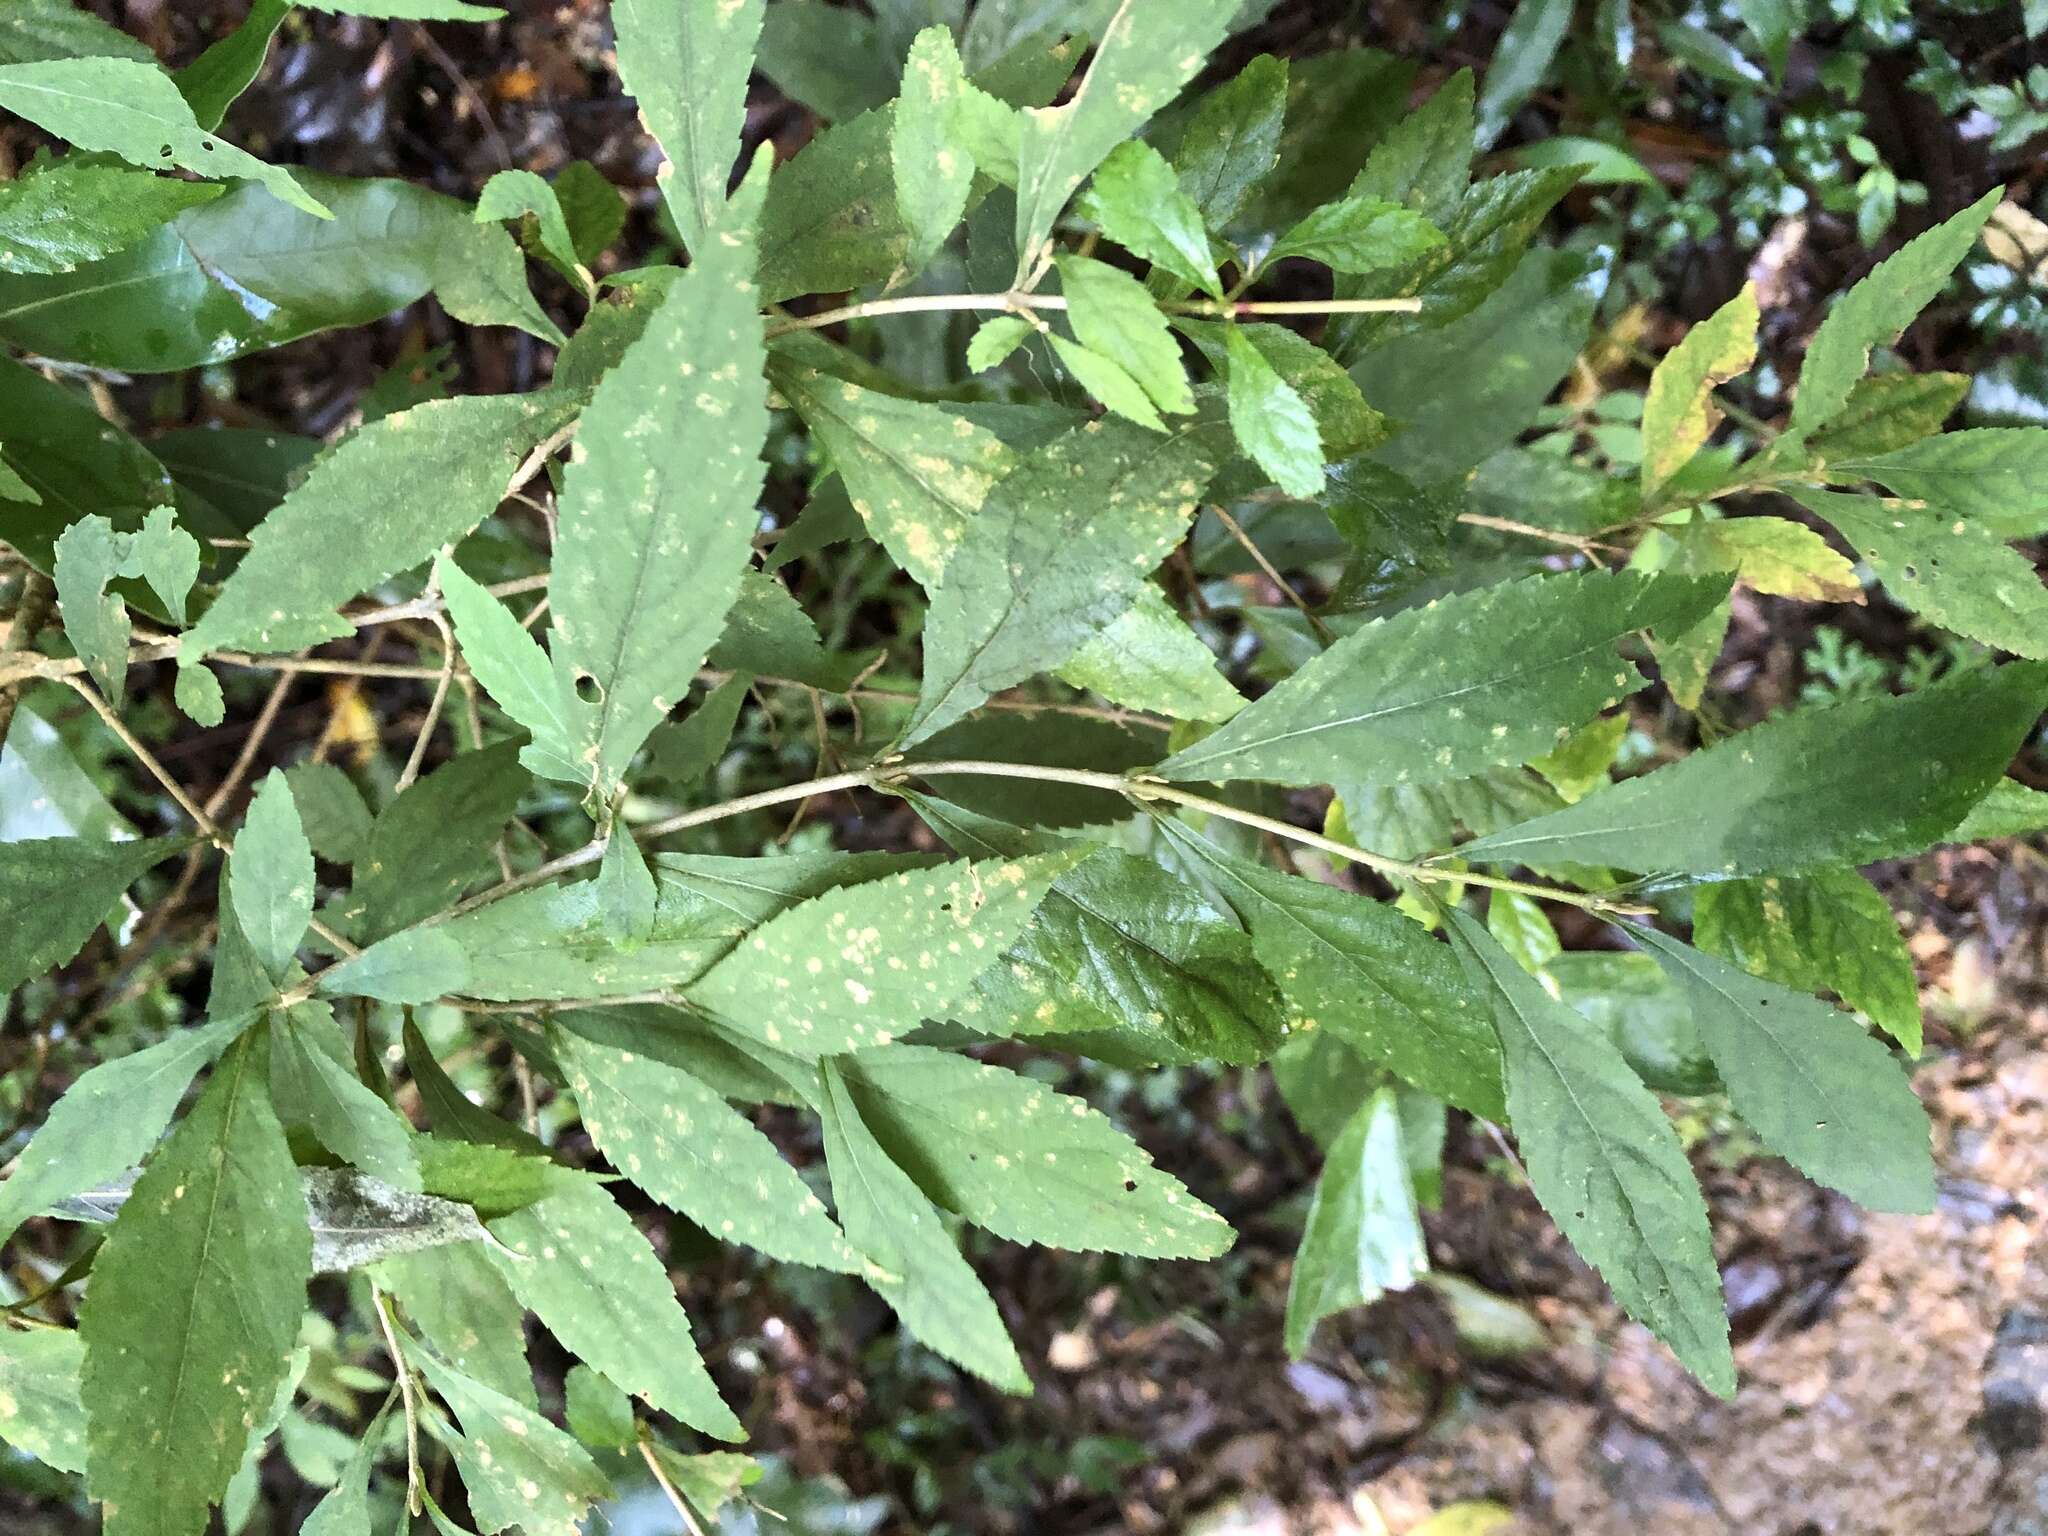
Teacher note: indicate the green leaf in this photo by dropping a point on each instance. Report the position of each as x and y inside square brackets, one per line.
[1112, 314]
[1356, 967]
[59, 214]
[44, 793]
[90, 554]
[382, 502]
[132, 109]
[1794, 793]
[994, 340]
[40, 1411]
[625, 890]
[273, 876]
[831, 59]
[593, 208]
[1831, 931]
[1991, 475]
[1947, 569]
[711, 1480]
[454, 1297]
[1041, 570]
[1605, 1161]
[1149, 659]
[519, 194]
[211, 82]
[419, 965]
[889, 953]
[350, 1120]
[2009, 809]
[75, 462]
[408, 10]
[1521, 60]
[1146, 53]
[432, 840]
[658, 506]
[934, 170]
[55, 891]
[596, 1411]
[517, 1468]
[1232, 143]
[1818, 1090]
[686, 63]
[108, 1120]
[1467, 682]
[517, 673]
[1272, 422]
[1424, 159]
[683, 753]
[1136, 201]
[579, 1262]
[1887, 411]
[684, 1145]
[1364, 1235]
[345, 1511]
[1345, 422]
[1109, 381]
[32, 30]
[194, 1307]
[1022, 1161]
[1628, 998]
[1875, 312]
[916, 473]
[1678, 410]
[1359, 234]
[449, 1108]
[913, 1264]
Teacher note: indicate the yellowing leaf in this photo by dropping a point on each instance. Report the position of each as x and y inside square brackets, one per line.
[1678, 410]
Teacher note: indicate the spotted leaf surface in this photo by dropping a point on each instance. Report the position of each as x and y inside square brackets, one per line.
[40, 1411]
[517, 1468]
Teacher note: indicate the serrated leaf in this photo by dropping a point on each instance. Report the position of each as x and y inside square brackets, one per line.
[596, 1411]
[59, 214]
[1359, 234]
[685, 63]
[1678, 408]
[1356, 967]
[1605, 1161]
[1363, 1237]
[658, 506]
[1949, 570]
[710, 1480]
[1145, 53]
[1466, 682]
[412, 967]
[1876, 312]
[1886, 411]
[859, 967]
[55, 891]
[1112, 314]
[1627, 997]
[431, 841]
[273, 876]
[682, 754]
[517, 1468]
[31, 30]
[90, 554]
[1818, 1090]
[934, 169]
[1149, 659]
[1794, 793]
[994, 340]
[625, 891]
[1232, 142]
[1136, 201]
[132, 109]
[517, 673]
[1041, 569]
[345, 1509]
[1770, 554]
[1022, 1161]
[1346, 424]
[579, 1262]
[349, 1119]
[683, 1144]
[1272, 422]
[518, 194]
[454, 1114]
[194, 1307]
[40, 1411]
[913, 1264]
[1108, 381]
[453, 1296]
[1830, 931]
[2008, 809]
[1991, 475]
[917, 473]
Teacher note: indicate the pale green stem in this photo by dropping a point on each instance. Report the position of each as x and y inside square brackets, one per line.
[1018, 303]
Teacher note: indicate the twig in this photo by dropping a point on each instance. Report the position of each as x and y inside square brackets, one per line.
[1023, 304]
[1258, 555]
[31, 613]
[251, 745]
[148, 759]
[661, 1478]
[440, 699]
[413, 1483]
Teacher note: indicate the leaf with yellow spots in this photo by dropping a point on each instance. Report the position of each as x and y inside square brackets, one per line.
[862, 966]
[39, 1408]
[1150, 659]
[933, 168]
[914, 1265]
[1463, 683]
[194, 1307]
[455, 1299]
[579, 1262]
[1022, 1161]
[517, 1468]
[696, 1154]
[1678, 409]
[1060, 551]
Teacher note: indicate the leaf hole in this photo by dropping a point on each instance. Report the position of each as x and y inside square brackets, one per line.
[165, 151]
[1910, 572]
[588, 690]
[1130, 1186]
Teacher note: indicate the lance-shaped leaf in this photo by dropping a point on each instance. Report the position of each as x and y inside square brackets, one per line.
[1990, 475]
[913, 1263]
[1678, 409]
[132, 109]
[312, 1072]
[1360, 234]
[108, 1120]
[1146, 52]
[579, 1262]
[1061, 548]
[1363, 1237]
[40, 1411]
[194, 1307]
[517, 1468]
[381, 503]
[211, 82]
[1354, 966]
[683, 1144]
[1022, 1161]
[527, 685]
[55, 891]
[917, 473]
[1137, 202]
[1605, 1161]
[933, 167]
[345, 1510]
[1272, 422]
[686, 63]
[861, 966]
[31, 30]
[272, 889]
[1887, 411]
[1150, 659]
[59, 214]
[1818, 1090]
[90, 554]
[658, 506]
[1463, 683]
[519, 194]
[1231, 144]
[1876, 311]
[452, 1294]
[1769, 554]
[431, 841]
[1795, 793]
[1113, 314]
